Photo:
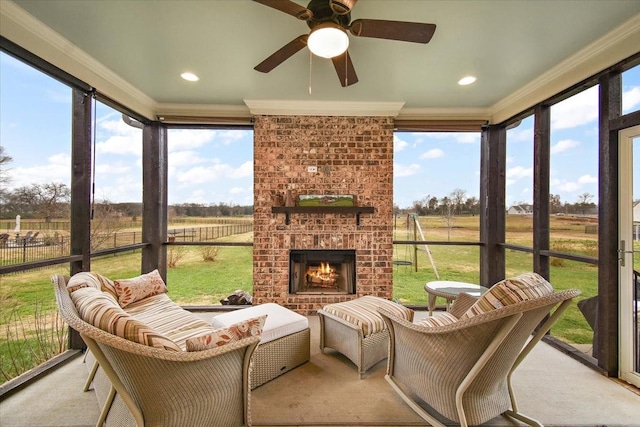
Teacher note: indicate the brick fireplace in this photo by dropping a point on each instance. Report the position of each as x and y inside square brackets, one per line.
[352, 155]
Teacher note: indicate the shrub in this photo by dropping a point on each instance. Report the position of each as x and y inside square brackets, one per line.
[32, 342]
[209, 253]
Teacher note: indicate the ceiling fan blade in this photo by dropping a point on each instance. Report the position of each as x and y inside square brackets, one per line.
[282, 54]
[287, 6]
[415, 32]
[342, 7]
[345, 70]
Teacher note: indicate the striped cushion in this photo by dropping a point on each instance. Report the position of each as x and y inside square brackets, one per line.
[139, 288]
[94, 280]
[102, 311]
[232, 333]
[363, 312]
[443, 319]
[510, 291]
[169, 319]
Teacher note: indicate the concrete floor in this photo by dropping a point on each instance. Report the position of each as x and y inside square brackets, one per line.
[568, 394]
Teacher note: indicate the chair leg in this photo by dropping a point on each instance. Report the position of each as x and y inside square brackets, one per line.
[525, 419]
[106, 407]
[92, 374]
[416, 408]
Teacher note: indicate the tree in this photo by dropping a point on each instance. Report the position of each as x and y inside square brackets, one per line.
[458, 196]
[433, 204]
[46, 201]
[4, 176]
[448, 214]
[105, 223]
[555, 205]
[584, 200]
[52, 199]
[4, 161]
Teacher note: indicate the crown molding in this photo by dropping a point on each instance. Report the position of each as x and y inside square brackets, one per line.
[615, 46]
[30, 33]
[322, 108]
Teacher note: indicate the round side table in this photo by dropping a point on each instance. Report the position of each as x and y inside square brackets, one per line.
[450, 290]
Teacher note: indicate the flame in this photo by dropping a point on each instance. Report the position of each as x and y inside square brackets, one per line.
[323, 274]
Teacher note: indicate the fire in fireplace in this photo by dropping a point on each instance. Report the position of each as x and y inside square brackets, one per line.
[321, 271]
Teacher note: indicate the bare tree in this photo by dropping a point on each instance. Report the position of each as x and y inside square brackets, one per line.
[5, 159]
[52, 198]
[458, 196]
[448, 215]
[555, 205]
[46, 201]
[4, 176]
[105, 224]
[584, 200]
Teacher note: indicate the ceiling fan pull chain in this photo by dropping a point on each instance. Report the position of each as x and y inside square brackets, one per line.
[310, 64]
[346, 69]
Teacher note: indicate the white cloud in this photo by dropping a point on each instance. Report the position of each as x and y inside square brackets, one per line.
[185, 158]
[578, 110]
[229, 136]
[631, 99]
[122, 140]
[517, 172]
[564, 186]
[564, 145]
[434, 153]
[202, 174]
[185, 139]
[55, 170]
[111, 169]
[237, 190]
[399, 144]
[520, 135]
[121, 145]
[402, 170]
[587, 179]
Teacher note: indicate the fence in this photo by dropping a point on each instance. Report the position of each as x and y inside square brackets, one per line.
[21, 250]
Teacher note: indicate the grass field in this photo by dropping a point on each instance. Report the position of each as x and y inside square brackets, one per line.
[27, 298]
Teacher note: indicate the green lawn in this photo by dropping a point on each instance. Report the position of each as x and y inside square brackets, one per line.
[194, 281]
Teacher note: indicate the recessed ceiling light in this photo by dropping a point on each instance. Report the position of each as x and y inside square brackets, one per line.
[466, 80]
[190, 77]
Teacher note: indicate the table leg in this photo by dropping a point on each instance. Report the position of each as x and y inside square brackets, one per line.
[432, 304]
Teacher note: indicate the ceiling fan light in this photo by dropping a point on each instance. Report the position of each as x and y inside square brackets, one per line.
[467, 80]
[328, 41]
[189, 76]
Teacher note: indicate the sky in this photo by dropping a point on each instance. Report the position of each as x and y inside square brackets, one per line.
[216, 166]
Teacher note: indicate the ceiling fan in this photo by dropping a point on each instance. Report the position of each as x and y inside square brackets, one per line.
[329, 21]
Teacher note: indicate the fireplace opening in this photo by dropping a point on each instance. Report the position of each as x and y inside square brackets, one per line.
[320, 271]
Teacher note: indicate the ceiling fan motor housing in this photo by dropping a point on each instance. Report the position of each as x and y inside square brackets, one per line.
[323, 12]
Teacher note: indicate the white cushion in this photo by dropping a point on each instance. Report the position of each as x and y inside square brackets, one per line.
[280, 320]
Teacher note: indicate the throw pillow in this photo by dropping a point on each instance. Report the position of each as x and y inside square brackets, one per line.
[438, 320]
[86, 279]
[102, 311]
[510, 291]
[219, 337]
[139, 288]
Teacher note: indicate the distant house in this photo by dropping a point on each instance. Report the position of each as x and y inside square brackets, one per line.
[520, 210]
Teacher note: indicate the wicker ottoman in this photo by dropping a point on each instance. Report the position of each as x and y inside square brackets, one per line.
[284, 343]
[355, 329]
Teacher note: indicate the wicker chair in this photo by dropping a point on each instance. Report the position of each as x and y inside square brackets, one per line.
[462, 371]
[165, 388]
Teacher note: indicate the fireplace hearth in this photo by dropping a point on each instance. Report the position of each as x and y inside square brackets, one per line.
[320, 271]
